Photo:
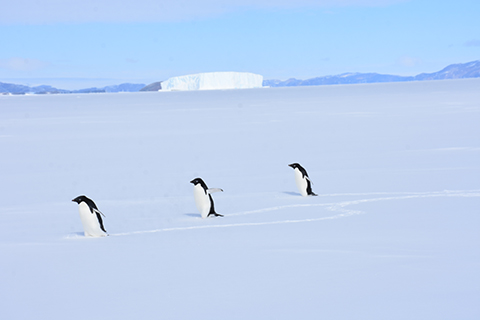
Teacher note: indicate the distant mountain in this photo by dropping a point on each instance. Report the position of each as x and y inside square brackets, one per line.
[46, 89]
[454, 71]
[21, 89]
[153, 86]
[125, 87]
[346, 78]
[13, 88]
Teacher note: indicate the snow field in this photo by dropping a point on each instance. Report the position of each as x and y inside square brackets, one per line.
[393, 233]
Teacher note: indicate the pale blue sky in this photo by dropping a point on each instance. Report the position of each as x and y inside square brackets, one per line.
[79, 43]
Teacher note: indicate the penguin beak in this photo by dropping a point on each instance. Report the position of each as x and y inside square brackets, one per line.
[291, 165]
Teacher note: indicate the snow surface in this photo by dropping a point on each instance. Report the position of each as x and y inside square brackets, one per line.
[213, 81]
[393, 234]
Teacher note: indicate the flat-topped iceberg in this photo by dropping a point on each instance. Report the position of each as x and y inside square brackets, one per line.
[213, 81]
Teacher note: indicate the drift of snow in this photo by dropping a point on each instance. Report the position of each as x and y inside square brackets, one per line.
[393, 233]
[214, 80]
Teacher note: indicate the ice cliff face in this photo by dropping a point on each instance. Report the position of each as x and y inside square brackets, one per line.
[214, 80]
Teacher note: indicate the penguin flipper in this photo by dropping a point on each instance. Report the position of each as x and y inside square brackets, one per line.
[100, 221]
[98, 211]
[212, 190]
[308, 178]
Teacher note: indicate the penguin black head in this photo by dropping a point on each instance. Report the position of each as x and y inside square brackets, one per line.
[295, 165]
[88, 201]
[80, 199]
[199, 181]
[300, 168]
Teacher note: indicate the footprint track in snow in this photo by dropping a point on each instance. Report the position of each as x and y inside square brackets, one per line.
[338, 207]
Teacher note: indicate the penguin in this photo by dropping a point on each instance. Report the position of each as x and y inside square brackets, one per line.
[302, 180]
[203, 198]
[91, 217]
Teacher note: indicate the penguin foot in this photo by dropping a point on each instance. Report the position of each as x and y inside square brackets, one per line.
[216, 214]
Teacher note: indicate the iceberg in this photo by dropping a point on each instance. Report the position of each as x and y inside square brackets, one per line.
[213, 81]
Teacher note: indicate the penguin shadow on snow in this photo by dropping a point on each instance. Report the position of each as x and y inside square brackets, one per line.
[76, 235]
[193, 215]
[81, 235]
[296, 194]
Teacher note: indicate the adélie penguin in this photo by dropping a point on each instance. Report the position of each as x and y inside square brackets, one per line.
[203, 198]
[91, 217]
[302, 180]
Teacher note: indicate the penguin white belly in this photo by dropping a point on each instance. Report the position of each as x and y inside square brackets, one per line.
[202, 200]
[91, 225]
[301, 182]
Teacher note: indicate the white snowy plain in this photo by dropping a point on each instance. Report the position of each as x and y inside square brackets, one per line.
[393, 234]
